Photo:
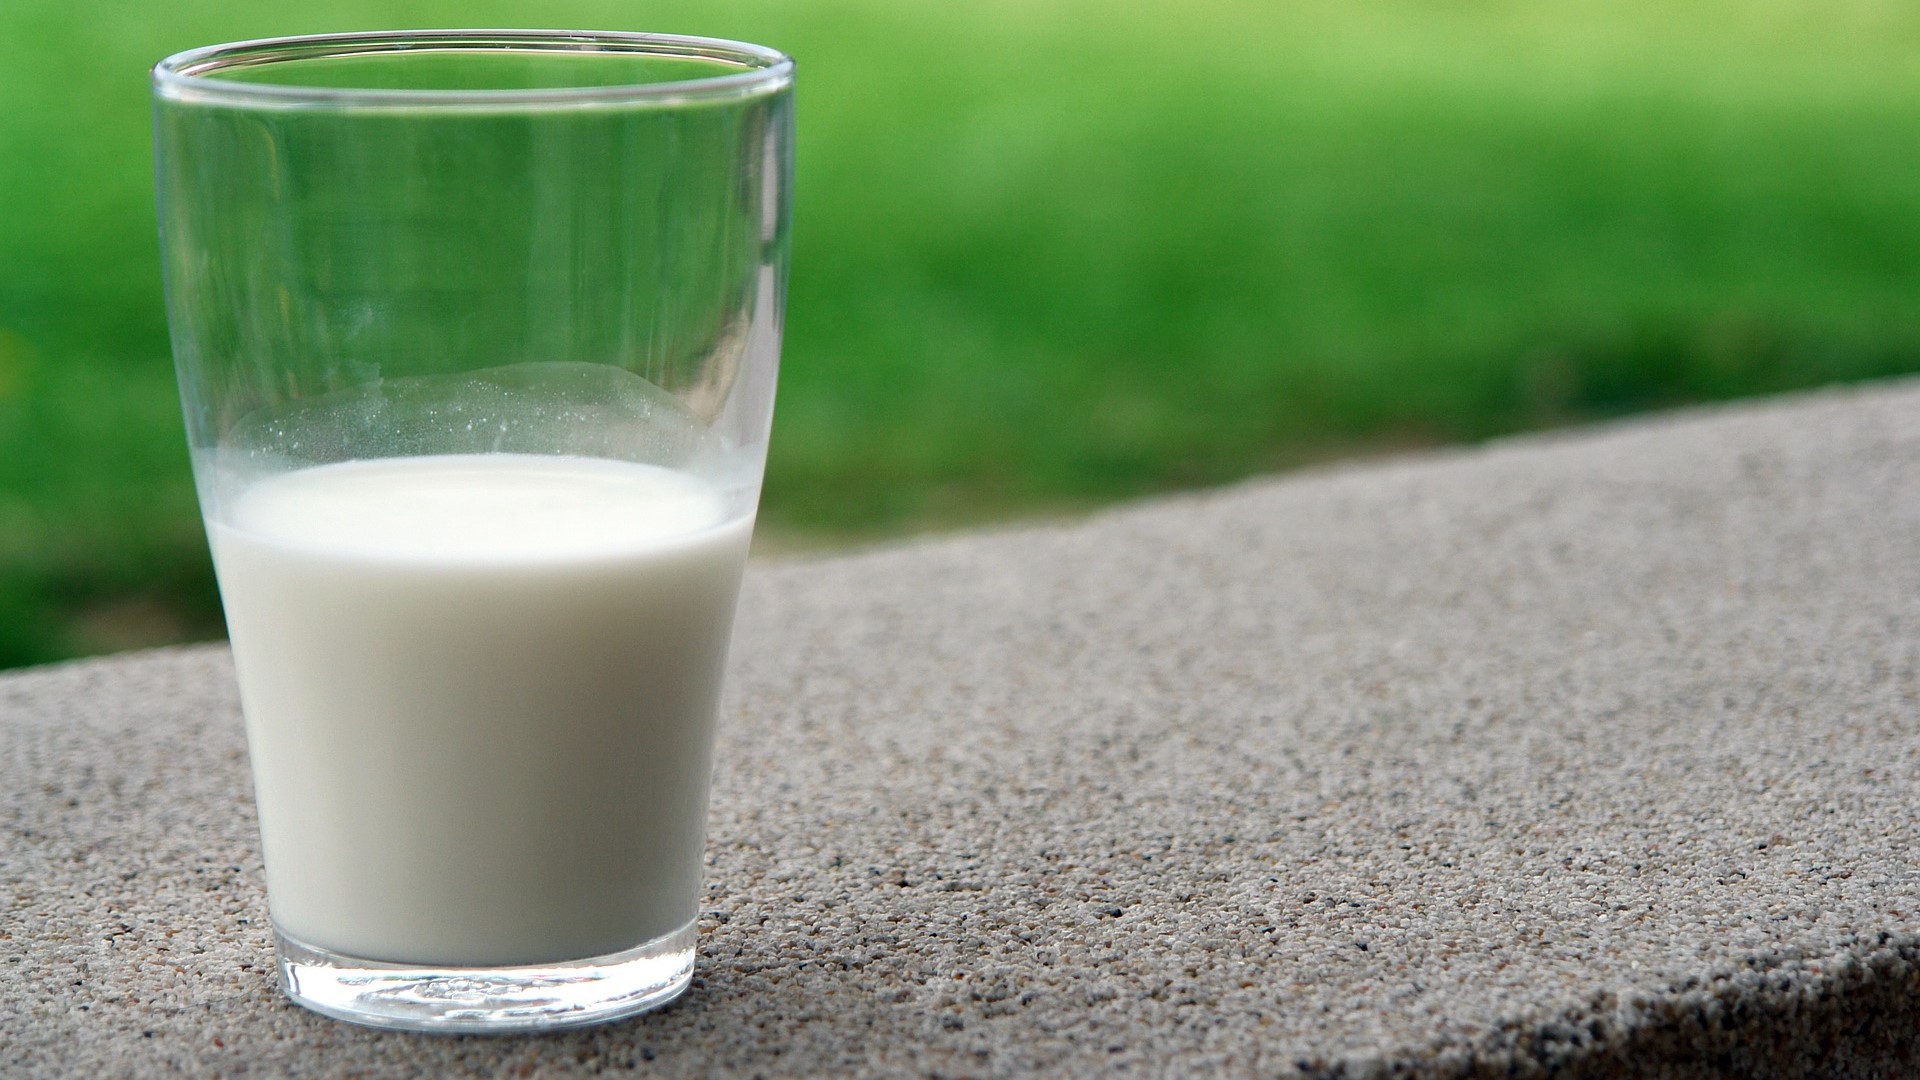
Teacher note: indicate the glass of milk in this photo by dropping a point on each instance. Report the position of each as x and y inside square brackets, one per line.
[477, 335]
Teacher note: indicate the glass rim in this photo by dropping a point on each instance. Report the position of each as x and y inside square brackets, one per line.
[192, 76]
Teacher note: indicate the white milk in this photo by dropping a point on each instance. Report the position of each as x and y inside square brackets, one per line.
[480, 693]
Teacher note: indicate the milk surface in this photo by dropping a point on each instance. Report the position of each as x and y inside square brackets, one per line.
[479, 693]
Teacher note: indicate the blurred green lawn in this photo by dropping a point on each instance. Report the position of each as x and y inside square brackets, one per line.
[1051, 254]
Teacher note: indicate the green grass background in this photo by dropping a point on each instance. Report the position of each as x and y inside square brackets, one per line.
[1053, 253]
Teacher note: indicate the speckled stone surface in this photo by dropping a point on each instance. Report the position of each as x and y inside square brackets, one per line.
[1589, 755]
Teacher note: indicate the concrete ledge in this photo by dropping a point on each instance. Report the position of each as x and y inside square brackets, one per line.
[1596, 755]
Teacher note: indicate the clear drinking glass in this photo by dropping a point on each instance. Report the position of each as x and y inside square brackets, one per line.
[477, 335]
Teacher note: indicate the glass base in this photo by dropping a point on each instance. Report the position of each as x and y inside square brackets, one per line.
[503, 1000]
